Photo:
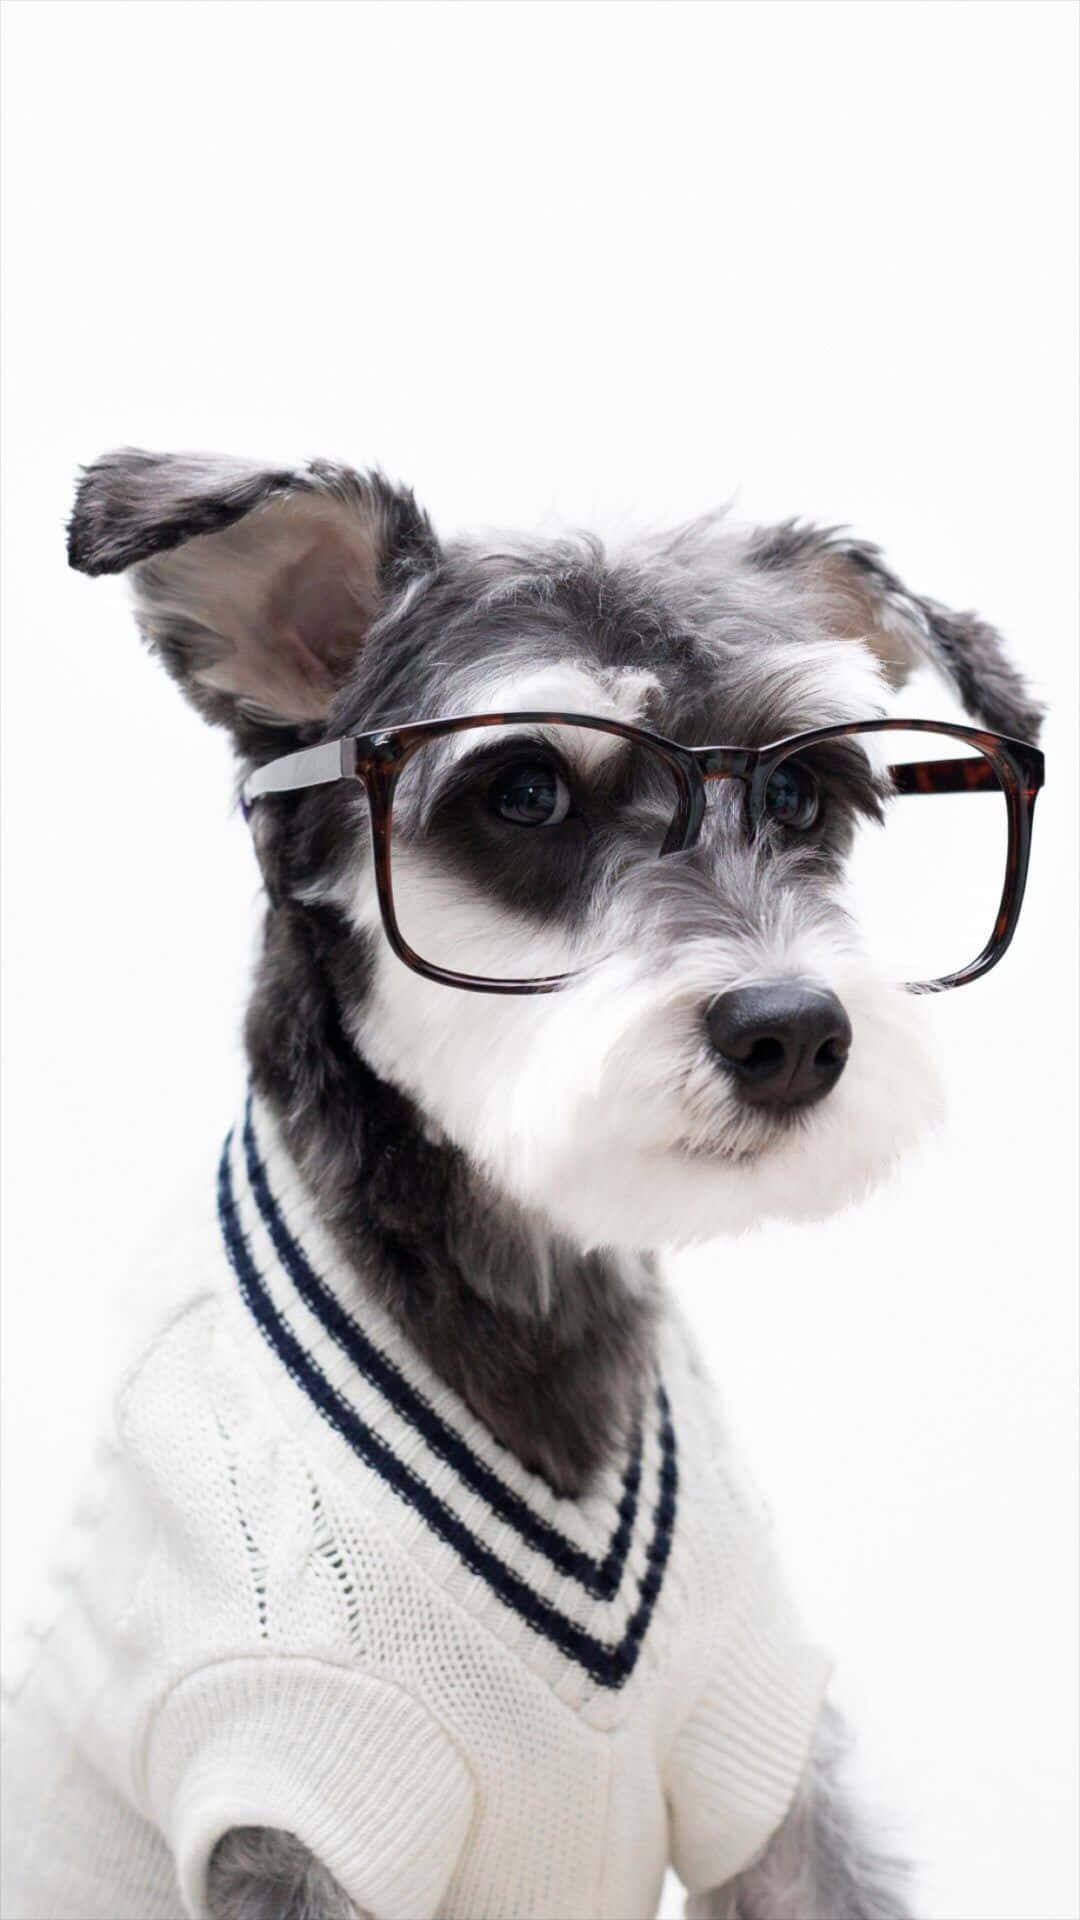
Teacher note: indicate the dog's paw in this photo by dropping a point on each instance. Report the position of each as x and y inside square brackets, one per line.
[264, 1873]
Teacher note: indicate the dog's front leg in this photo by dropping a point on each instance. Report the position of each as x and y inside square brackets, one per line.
[822, 1862]
[263, 1873]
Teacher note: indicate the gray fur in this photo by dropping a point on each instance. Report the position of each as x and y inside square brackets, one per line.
[130, 504]
[264, 1873]
[547, 1344]
[258, 648]
[866, 597]
[822, 1862]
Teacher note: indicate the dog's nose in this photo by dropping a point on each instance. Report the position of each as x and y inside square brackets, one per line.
[786, 1044]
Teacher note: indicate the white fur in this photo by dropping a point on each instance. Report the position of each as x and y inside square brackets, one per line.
[820, 683]
[602, 1106]
[565, 686]
[469, 932]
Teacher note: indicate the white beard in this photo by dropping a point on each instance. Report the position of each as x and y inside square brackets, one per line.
[601, 1106]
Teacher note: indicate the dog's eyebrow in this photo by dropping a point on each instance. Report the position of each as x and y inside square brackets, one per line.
[567, 686]
[787, 686]
[564, 686]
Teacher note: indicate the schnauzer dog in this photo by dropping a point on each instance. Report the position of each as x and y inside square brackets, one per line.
[452, 1597]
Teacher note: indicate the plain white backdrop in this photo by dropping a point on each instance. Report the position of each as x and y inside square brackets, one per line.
[579, 260]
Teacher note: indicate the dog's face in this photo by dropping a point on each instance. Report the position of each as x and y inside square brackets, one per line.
[296, 607]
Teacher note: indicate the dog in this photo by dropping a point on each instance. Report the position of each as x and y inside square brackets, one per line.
[504, 1044]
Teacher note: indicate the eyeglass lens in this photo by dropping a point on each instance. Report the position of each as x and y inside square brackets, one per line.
[504, 837]
[513, 848]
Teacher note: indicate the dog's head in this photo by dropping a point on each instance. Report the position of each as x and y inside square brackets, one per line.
[298, 606]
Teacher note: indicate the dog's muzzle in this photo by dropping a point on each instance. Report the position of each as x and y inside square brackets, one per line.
[784, 1045]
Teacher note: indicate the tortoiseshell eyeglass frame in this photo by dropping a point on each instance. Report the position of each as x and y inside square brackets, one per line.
[377, 759]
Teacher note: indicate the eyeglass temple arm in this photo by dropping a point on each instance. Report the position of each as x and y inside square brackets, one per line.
[336, 760]
[311, 767]
[966, 775]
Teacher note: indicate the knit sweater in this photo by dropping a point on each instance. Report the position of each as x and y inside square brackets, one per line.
[312, 1591]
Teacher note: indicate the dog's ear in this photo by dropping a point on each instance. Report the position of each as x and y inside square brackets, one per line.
[256, 586]
[860, 598]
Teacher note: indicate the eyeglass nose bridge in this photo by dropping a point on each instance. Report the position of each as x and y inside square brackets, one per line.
[726, 763]
[707, 763]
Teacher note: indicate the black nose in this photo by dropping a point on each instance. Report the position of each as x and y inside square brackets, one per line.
[786, 1045]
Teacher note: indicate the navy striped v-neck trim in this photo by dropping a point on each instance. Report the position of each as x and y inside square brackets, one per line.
[609, 1663]
[600, 1578]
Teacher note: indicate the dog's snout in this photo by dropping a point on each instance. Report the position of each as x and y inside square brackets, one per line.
[784, 1044]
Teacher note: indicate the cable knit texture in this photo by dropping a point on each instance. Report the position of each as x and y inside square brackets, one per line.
[310, 1590]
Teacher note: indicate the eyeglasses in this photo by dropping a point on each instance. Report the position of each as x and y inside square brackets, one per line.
[499, 839]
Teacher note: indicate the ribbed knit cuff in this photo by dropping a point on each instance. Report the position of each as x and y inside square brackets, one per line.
[352, 1765]
[737, 1761]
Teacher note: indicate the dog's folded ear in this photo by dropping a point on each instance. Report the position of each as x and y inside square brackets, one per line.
[257, 586]
[860, 598]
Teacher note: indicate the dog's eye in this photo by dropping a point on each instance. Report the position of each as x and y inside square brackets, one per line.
[530, 794]
[791, 796]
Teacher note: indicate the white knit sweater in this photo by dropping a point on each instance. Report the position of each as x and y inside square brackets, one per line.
[313, 1592]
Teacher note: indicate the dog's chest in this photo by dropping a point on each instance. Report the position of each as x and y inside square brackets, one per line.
[317, 1558]
[406, 1474]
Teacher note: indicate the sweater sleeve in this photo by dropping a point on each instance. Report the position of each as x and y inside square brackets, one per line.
[352, 1765]
[737, 1760]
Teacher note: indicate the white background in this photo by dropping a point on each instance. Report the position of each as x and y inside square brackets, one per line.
[585, 260]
